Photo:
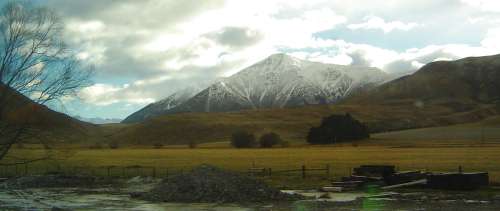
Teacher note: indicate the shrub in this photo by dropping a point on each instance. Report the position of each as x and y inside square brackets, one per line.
[243, 139]
[336, 129]
[268, 140]
[158, 145]
[284, 144]
[113, 145]
[96, 145]
[192, 144]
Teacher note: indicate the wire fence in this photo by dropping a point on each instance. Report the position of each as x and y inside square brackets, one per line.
[300, 172]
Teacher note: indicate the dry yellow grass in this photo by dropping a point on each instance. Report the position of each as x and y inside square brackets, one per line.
[291, 123]
[341, 159]
[426, 149]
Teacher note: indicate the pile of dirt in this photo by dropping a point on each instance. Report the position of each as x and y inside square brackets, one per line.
[49, 181]
[206, 183]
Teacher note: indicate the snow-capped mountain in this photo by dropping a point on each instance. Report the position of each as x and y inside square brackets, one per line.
[282, 81]
[276, 82]
[160, 107]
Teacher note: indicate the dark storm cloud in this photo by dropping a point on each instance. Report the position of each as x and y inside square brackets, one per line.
[127, 25]
[236, 37]
[359, 58]
[144, 13]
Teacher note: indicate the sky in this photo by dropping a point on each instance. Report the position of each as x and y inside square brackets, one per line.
[145, 50]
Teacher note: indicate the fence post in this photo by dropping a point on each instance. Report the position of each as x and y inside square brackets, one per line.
[26, 169]
[303, 171]
[108, 169]
[270, 171]
[328, 170]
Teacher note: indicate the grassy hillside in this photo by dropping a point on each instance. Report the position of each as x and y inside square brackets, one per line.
[461, 83]
[483, 132]
[52, 125]
[292, 123]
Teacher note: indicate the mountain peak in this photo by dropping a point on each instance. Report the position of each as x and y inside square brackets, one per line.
[281, 56]
[281, 59]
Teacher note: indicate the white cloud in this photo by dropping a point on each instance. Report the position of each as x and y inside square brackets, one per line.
[105, 94]
[346, 53]
[485, 5]
[162, 45]
[374, 22]
[492, 39]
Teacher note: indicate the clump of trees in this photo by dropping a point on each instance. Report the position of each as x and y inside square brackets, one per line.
[244, 139]
[336, 129]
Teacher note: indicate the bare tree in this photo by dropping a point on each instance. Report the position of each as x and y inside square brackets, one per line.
[35, 62]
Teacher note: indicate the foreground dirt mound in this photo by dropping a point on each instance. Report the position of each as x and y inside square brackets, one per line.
[49, 181]
[210, 184]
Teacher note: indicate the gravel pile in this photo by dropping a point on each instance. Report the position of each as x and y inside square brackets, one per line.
[206, 183]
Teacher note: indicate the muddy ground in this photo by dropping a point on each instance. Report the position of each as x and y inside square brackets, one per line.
[48, 194]
[114, 198]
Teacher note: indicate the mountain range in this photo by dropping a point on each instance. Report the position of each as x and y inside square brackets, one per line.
[98, 120]
[278, 81]
[440, 93]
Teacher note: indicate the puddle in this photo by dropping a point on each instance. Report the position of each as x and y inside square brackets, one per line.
[38, 199]
[117, 200]
[332, 197]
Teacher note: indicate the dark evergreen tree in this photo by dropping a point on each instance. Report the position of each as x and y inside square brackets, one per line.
[243, 139]
[336, 129]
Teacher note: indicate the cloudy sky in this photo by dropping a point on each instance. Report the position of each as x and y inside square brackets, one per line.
[144, 50]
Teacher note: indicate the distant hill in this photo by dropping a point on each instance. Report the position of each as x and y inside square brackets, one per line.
[474, 80]
[58, 126]
[98, 120]
[279, 81]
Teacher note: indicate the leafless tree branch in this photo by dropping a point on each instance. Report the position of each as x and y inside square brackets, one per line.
[35, 62]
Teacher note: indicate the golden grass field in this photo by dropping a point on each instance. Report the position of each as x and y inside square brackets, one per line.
[475, 147]
[340, 158]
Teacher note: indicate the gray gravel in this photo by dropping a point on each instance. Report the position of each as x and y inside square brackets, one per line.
[207, 183]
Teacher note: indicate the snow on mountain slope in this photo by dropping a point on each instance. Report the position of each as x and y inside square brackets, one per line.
[158, 108]
[282, 81]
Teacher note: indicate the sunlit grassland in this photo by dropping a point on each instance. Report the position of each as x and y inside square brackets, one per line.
[340, 158]
[475, 147]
